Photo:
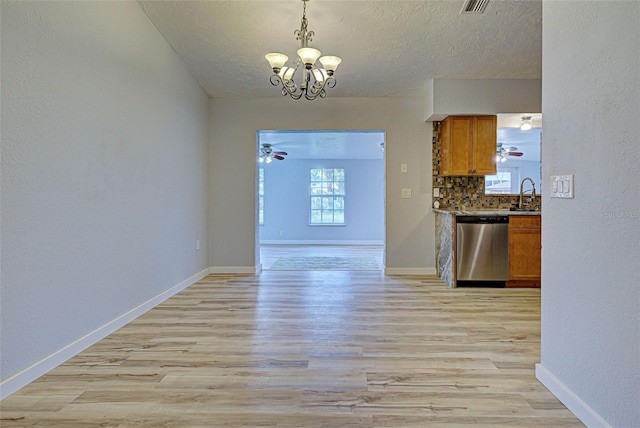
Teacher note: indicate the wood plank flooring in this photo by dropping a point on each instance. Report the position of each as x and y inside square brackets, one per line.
[308, 349]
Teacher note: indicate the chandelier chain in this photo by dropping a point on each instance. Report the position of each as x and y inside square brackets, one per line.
[303, 34]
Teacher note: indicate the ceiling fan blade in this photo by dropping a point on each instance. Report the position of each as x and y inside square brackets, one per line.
[278, 157]
[511, 149]
[514, 153]
[281, 153]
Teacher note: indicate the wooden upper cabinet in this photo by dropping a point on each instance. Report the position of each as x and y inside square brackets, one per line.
[485, 132]
[468, 145]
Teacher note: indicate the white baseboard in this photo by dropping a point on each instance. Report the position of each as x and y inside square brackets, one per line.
[410, 271]
[318, 242]
[33, 372]
[578, 407]
[235, 269]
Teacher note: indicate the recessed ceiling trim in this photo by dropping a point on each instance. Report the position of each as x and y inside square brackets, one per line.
[474, 6]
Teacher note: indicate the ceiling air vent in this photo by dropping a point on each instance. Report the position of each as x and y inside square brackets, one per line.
[474, 6]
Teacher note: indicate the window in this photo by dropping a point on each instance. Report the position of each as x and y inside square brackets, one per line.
[327, 192]
[261, 196]
[498, 184]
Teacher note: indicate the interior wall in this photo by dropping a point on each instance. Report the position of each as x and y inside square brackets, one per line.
[287, 204]
[233, 124]
[590, 343]
[466, 97]
[104, 172]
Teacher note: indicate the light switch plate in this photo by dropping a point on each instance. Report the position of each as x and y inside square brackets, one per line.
[436, 192]
[562, 186]
[406, 193]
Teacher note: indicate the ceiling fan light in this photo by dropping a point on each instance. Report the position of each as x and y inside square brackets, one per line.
[276, 60]
[526, 123]
[308, 56]
[268, 160]
[330, 63]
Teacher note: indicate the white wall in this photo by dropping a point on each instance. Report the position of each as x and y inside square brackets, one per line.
[104, 174]
[591, 244]
[482, 96]
[233, 125]
[287, 204]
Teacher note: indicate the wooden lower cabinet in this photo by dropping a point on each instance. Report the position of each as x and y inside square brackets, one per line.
[524, 251]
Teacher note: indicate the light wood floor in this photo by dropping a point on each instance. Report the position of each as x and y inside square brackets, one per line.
[308, 349]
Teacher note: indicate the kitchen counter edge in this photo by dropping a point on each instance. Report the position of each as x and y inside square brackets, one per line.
[484, 212]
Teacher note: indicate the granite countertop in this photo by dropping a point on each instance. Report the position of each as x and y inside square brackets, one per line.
[484, 212]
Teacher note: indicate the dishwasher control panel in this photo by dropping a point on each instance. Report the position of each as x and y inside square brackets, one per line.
[479, 219]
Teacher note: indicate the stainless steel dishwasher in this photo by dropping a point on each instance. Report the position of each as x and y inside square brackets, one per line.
[482, 250]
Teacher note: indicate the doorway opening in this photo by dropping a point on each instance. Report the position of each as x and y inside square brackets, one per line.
[320, 200]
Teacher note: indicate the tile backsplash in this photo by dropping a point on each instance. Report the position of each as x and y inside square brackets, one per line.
[462, 193]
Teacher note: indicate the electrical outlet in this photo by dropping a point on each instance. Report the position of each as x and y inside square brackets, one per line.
[406, 193]
[436, 192]
[404, 168]
[281, 233]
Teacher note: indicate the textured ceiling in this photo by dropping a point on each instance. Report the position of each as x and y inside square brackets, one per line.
[388, 48]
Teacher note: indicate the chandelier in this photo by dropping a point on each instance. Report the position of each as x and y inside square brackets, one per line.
[314, 79]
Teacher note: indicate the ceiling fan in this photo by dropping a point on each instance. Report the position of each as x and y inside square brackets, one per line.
[503, 152]
[267, 154]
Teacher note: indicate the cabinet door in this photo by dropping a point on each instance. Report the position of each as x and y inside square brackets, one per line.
[484, 145]
[456, 142]
[524, 254]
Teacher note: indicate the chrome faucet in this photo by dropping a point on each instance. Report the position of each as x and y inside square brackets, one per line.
[533, 191]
